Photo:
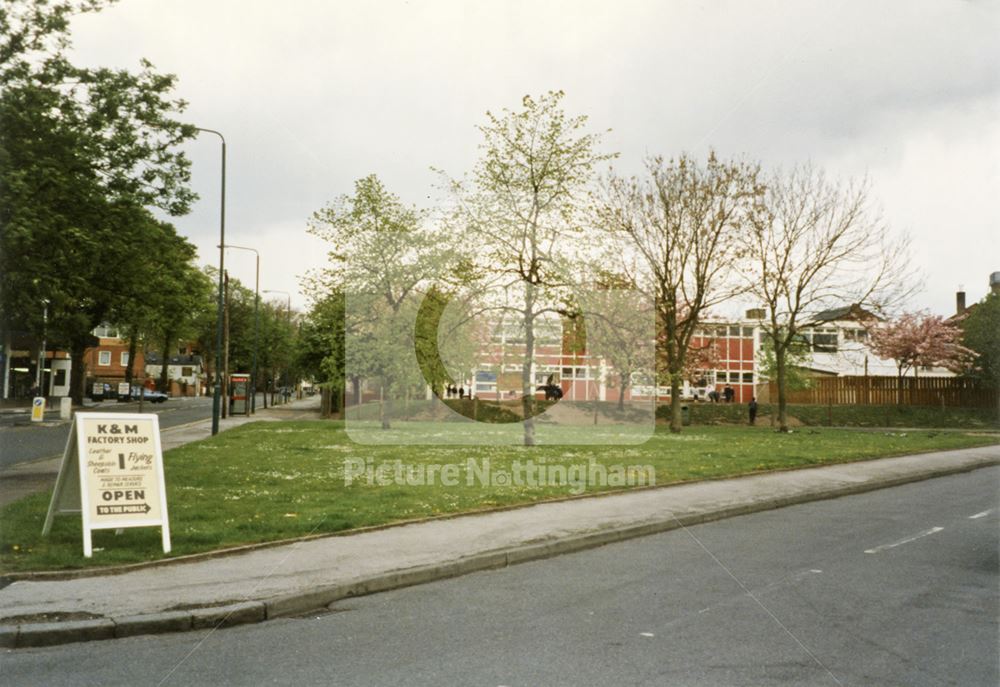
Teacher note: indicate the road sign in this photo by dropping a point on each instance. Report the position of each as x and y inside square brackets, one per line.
[119, 481]
[37, 409]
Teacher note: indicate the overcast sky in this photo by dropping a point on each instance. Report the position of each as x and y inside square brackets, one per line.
[313, 95]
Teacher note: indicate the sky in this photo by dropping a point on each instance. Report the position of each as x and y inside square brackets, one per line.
[314, 95]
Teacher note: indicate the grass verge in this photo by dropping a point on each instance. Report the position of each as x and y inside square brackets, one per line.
[269, 481]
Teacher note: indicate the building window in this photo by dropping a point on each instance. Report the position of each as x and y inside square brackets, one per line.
[123, 358]
[748, 377]
[104, 358]
[106, 331]
[748, 332]
[824, 341]
[186, 372]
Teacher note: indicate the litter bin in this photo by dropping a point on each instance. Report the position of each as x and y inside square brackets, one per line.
[685, 415]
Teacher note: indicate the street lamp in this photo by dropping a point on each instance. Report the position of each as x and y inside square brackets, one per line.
[288, 310]
[40, 374]
[217, 393]
[256, 328]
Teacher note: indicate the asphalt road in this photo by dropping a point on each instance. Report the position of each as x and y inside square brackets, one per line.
[862, 590]
[20, 441]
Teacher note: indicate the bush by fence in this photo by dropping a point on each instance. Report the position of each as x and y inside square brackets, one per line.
[815, 415]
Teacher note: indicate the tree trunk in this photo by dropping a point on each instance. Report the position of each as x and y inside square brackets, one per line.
[131, 357]
[78, 373]
[165, 362]
[780, 364]
[527, 383]
[621, 392]
[676, 421]
[383, 416]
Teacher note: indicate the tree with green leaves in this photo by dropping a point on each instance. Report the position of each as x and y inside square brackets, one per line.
[319, 353]
[83, 152]
[981, 333]
[525, 205]
[384, 259]
[798, 354]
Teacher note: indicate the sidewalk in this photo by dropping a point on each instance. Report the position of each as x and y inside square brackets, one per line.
[308, 575]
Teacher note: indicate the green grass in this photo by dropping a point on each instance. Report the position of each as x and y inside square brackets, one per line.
[270, 481]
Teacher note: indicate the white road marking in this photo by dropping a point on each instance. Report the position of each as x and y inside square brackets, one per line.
[925, 533]
[647, 634]
[980, 515]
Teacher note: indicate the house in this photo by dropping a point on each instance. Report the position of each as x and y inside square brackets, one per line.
[108, 361]
[184, 373]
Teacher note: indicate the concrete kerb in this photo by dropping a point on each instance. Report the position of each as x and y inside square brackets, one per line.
[317, 599]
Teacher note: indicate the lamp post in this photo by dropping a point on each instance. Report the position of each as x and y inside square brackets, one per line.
[217, 392]
[288, 310]
[40, 376]
[256, 328]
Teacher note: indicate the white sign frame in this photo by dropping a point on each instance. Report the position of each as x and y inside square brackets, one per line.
[67, 499]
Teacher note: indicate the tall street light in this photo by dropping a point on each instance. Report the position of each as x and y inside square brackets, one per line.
[40, 377]
[217, 393]
[256, 328]
[288, 310]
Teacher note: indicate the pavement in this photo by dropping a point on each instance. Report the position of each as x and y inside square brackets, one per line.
[257, 584]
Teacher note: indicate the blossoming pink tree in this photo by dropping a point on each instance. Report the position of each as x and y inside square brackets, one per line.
[918, 339]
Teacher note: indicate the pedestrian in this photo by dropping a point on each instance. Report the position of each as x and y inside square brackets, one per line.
[461, 392]
[752, 407]
[729, 393]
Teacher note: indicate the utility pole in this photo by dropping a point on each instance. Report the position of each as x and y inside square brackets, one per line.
[225, 350]
[40, 380]
[217, 392]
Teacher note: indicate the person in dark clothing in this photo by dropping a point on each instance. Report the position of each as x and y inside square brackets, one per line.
[752, 407]
[461, 392]
[729, 393]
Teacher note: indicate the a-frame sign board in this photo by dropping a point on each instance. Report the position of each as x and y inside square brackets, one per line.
[118, 482]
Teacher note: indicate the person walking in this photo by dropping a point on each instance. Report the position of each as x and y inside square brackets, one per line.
[752, 407]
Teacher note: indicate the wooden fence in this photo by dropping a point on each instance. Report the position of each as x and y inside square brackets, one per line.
[926, 391]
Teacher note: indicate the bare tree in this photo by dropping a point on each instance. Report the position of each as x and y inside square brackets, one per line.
[814, 244]
[678, 231]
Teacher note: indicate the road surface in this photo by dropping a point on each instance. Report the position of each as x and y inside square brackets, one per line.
[894, 587]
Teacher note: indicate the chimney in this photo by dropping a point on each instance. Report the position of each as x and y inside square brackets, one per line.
[995, 282]
[960, 303]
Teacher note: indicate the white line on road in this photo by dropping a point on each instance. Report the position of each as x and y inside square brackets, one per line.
[981, 515]
[904, 541]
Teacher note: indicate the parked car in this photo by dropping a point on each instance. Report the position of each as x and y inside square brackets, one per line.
[147, 394]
